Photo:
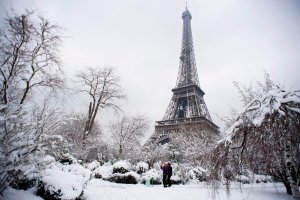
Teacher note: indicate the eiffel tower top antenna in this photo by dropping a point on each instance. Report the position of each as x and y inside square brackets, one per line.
[186, 6]
[187, 73]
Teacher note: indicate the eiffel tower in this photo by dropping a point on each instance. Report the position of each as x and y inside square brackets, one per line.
[187, 107]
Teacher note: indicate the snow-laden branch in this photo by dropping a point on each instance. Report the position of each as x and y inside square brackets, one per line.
[276, 100]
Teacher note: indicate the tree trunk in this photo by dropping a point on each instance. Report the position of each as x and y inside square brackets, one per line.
[87, 127]
[287, 187]
[290, 167]
[120, 150]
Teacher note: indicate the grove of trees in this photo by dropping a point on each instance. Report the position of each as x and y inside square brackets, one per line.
[32, 124]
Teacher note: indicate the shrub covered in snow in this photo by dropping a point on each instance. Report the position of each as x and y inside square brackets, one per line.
[178, 177]
[104, 171]
[127, 178]
[121, 167]
[68, 159]
[93, 165]
[63, 181]
[152, 173]
[176, 180]
[180, 174]
[197, 174]
[243, 179]
[141, 167]
[21, 181]
[262, 178]
[249, 177]
[26, 176]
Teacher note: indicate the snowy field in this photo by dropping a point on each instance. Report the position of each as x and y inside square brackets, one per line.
[97, 189]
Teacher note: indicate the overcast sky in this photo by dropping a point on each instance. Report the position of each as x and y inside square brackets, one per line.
[233, 41]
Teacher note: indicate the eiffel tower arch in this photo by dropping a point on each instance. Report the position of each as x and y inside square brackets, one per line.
[187, 109]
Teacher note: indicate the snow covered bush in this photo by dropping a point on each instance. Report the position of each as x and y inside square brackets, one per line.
[198, 174]
[175, 180]
[67, 159]
[103, 171]
[118, 173]
[179, 174]
[21, 181]
[127, 178]
[249, 177]
[141, 167]
[93, 165]
[242, 179]
[121, 167]
[26, 176]
[154, 174]
[261, 178]
[63, 182]
[30, 136]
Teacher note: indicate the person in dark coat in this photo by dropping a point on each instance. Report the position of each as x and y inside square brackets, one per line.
[165, 168]
[169, 174]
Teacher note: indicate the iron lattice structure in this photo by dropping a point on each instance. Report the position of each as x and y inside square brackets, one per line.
[187, 107]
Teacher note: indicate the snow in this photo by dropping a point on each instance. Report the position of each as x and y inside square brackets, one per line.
[71, 158]
[97, 189]
[111, 191]
[122, 164]
[57, 180]
[29, 171]
[142, 165]
[152, 173]
[66, 180]
[295, 109]
[104, 171]
[175, 178]
[12, 194]
[48, 159]
[257, 110]
[93, 165]
[196, 172]
[58, 137]
[131, 173]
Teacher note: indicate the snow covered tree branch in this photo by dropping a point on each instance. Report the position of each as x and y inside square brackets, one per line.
[28, 57]
[263, 138]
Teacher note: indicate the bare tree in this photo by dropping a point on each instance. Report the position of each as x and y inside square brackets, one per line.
[103, 87]
[28, 57]
[127, 133]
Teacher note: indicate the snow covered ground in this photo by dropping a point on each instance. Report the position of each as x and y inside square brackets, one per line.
[97, 189]
[12, 194]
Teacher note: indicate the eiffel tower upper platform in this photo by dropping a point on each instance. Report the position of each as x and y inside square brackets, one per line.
[187, 109]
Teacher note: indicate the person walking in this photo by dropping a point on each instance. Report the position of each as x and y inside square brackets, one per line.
[165, 168]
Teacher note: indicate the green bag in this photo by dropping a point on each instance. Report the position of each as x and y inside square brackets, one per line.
[147, 182]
